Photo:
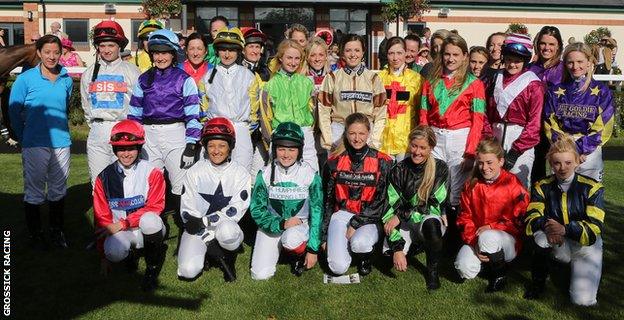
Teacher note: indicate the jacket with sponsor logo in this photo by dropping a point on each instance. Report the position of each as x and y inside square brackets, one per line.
[588, 116]
[580, 209]
[281, 193]
[402, 103]
[124, 195]
[346, 91]
[217, 192]
[501, 204]
[355, 181]
[403, 182]
[457, 109]
[108, 97]
[518, 100]
[227, 92]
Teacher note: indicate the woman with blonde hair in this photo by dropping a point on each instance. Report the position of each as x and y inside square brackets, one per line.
[355, 197]
[417, 195]
[565, 219]
[493, 203]
[453, 103]
[287, 97]
[403, 87]
[582, 107]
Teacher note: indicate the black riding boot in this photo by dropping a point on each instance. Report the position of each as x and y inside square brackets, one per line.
[155, 250]
[177, 220]
[57, 212]
[498, 268]
[432, 233]
[297, 264]
[225, 262]
[33, 222]
[539, 273]
[364, 266]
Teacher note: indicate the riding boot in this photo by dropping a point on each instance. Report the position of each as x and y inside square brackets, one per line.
[498, 272]
[33, 222]
[539, 272]
[131, 262]
[297, 264]
[363, 263]
[432, 279]
[57, 210]
[432, 233]
[155, 250]
[217, 254]
[177, 220]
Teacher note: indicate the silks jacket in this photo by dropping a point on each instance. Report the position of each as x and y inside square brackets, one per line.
[588, 116]
[549, 76]
[282, 193]
[164, 97]
[108, 96]
[580, 209]
[501, 204]
[403, 182]
[286, 98]
[457, 109]
[217, 192]
[143, 61]
[402, 103]
[125, 195]
[356, 182]
[226, 92]
[346, 91]
[518, 100]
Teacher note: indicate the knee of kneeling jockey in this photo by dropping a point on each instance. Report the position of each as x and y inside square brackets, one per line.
[262, 274]
[361, 245]
[432, 230]
[296, 248]
[229, 235]
[489, 242]
[583, 299]
[150, 223]
[338, 267]
[467, 270]
[541, 240]
[188, 271]
[116, 254]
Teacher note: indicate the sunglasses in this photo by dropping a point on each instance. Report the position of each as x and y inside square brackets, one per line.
[124, 136]
[108, 31]
[220, 130]
[225, 35]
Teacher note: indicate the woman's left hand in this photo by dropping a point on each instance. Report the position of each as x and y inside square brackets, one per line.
[310, 260]
[350, 232]
[444, 220]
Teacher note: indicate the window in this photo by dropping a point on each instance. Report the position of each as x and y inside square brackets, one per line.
[13, 33]
[348, 20]
[77, 30]
[135, 24]
[204, 14]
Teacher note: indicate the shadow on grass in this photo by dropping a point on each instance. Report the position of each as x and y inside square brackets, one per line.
[65, 284]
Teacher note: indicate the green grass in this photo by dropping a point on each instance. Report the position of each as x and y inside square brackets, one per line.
[66, 284]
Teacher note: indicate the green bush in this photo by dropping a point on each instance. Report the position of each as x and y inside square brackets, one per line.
[75, 113]
[618, 98]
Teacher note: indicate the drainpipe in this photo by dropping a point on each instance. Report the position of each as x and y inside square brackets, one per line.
[43, 7]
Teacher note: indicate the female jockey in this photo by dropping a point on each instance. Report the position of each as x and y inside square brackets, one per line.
[287, 97]
[165, 101]
[38, 108]
[417, 195]
[287, 205]
[355, 181]
[216, 196]
[581, 107]
[142, 57]
[195, 65]
[403, 89]
[514, 109]
[106, 88]
[493, 203]
[565, 219]
[351, 89]
[479, 57]
[128, 198]
[453, 103]
[226, 90]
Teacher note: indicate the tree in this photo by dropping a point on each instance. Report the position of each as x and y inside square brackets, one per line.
[404, 10]
[162, 9]
[594, 36]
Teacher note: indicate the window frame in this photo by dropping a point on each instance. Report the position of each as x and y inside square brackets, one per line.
[87, 31]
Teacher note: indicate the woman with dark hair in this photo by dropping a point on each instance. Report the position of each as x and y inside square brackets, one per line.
[479, 57]
[549, 46]
[412, 47]
[590, 127]
[417, 195]
[196, 48]
[353, 88]
[38, 112]
[355, 197]
[226, 91]
[216, 23]
[403, 87]
[453, 104]
[514, 109]
[493, 203]
[437, 39]
[493, 45]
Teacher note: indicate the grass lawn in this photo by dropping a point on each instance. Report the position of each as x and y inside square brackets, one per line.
[66, 284]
